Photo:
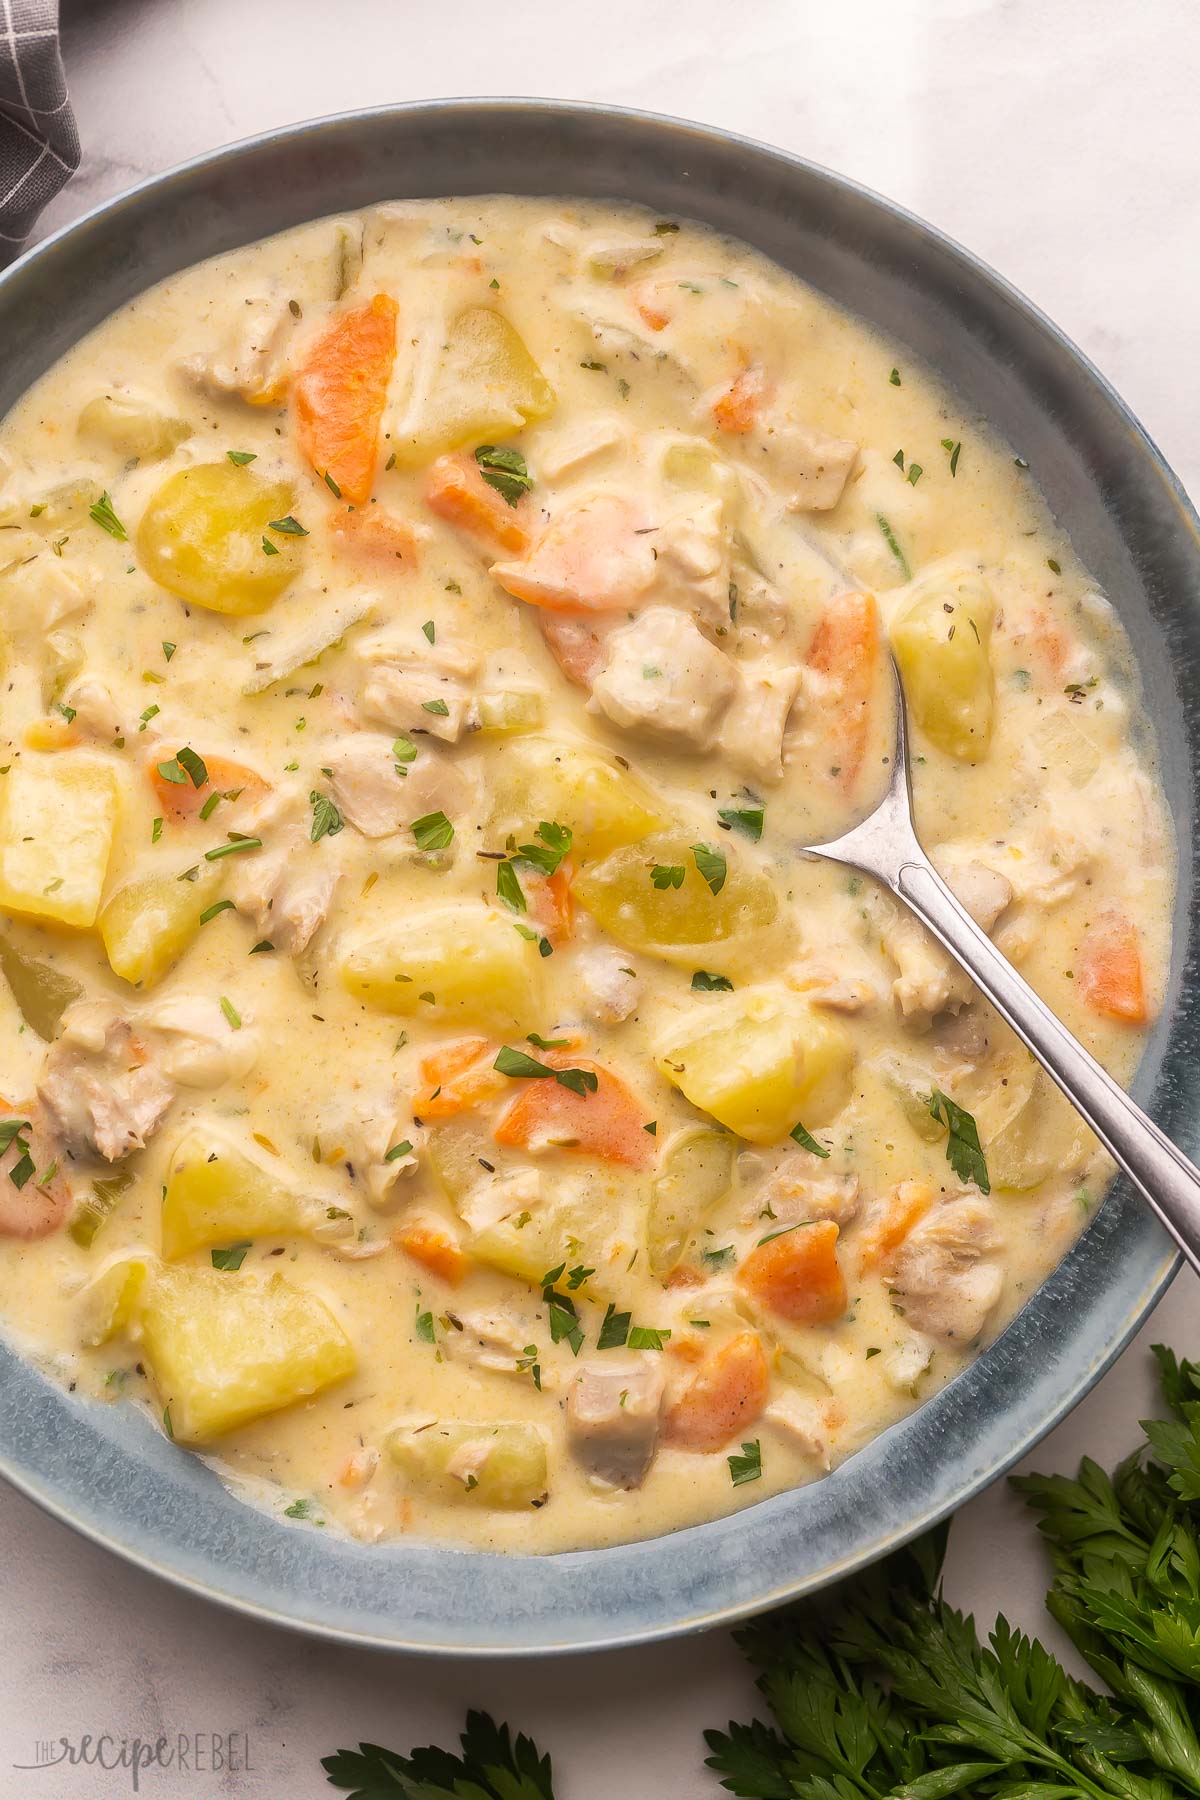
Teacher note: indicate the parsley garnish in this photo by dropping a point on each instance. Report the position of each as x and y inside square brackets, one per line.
[424, 1327]
[614, 1331]
[541, 1043]
[433, 831]
[705, 983]
[712, 866]
[508, 886]
[806, 1140]
[894, 378]
[327, 821]
[893, 544]
[436, 706]
[231, 1013]
[505, 470]
[646, 1337]
[747, 1466]
[183, 767]
[101, 513]
[242, 457]
[332, 485]
[746, 818]
[232, 1257]
[168, 650]
[963, 1150]
[718, 1259]
[667, 875]
[218, 906]
[234, 847]
[404, 751]
[523, 1067]
[398, 1150]
[287, 527]
[430, 630]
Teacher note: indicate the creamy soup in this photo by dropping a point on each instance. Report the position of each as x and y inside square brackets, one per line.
[439, 1094]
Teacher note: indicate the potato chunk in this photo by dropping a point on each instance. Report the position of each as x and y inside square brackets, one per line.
[57, 817]
[941, 640]
[205, 535]
[215, 1194]
[766, 1066]
[485, 384]
[696, 1172]
[605, 806]
[462, 963]
[532, 1241]
[224, 1349]
[147, 925]
[688, 922]
[131, 425]
[501, 1465]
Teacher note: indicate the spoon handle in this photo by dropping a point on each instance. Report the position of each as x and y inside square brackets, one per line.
[1167, 1181]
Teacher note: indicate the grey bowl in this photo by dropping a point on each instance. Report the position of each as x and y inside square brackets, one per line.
[103, 1469]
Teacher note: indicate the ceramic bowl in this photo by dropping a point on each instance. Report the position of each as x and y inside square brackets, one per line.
[103, 1469]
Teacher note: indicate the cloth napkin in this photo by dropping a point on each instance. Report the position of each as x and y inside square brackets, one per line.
[39, 145]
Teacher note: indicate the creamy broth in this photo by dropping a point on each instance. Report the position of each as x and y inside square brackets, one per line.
[428, 636]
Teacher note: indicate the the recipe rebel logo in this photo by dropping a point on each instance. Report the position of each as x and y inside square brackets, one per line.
[186, 1752]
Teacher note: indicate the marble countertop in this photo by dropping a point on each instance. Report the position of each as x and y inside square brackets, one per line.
[1060, 144]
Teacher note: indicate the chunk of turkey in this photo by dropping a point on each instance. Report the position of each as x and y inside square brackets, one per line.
[810, 468]
[608, 989]
[488, 1340]
[613, 1411]
[287, 887]
[194, 1043]
[378, 796]
[367, 1129]
[101, 1093]
[755, 721]
[930, 981]
[942, 1278]
[664, 678]
[252, 364]
[96, 713]
[801, 1425]
[402, 681]
[691, 563]
[981, 889]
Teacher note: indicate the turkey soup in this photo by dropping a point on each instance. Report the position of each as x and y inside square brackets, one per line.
[434, 1088]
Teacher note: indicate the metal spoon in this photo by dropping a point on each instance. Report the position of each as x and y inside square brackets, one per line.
[886, 846]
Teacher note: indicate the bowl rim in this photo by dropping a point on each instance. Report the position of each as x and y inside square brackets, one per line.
[109, 212]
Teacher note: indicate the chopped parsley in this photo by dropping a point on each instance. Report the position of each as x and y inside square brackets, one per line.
[101, 513]
[806, 1140]
[667, 875]
[242, 457]
[234, 847]
[218, 906]
[183, 767]
[231, 1013]
[505, 470]
[718, 1259]
[748, 819]
[712, 866]
[614, 1331]
[332, 485]
[706, 983]
[508, 886]
[430, 630]
[436, 706]
[541, 1043]
[399, 1150]
[894, 378]
[523, 1067]
[424, 1327]
[955, 450]
[327, 821]
[893, 544]
[232, 1257]
[433, 831]
[747, 1466]
[963, 1150]
[645, 1337]
[287, 527]
[404, 751]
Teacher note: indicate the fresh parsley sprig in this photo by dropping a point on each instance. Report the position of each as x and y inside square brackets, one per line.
[493, 1766]
[964, 1152]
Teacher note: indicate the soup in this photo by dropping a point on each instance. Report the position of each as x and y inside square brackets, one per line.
[438, 1092]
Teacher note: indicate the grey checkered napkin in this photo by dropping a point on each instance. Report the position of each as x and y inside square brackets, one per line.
[39, 146]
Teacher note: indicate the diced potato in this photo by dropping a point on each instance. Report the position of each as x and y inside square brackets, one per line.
[500, 1465]
[912, 1086]
[514, 711]
[696, 1172]
[205, 536]
[764, 1068]
[224, 1349]
[41, 991]
[148, 924]
[132, 426]
[62, 661]
[485, 384]
[62, 505]
[454, 1148]
[941, 640]
[110, 1302]
[605, 806]
[464, 963]
[215, 1194]
[690, 924]
[1026, 1128]
[531, 1242]
[57, 818]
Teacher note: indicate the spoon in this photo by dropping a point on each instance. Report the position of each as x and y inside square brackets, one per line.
[886, 846]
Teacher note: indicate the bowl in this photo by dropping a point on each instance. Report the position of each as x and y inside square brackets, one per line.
[104, 1469]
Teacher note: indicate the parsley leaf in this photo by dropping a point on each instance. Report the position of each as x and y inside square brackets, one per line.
[706, 983]
[667, 875]
[527, 1068]
[287, 527]
[101, 513]
[614, 1331]
[505, 470]
[646, 1337]
[232, 1257]
[712, 866]
[747, 1466]
[748, 819]
[493, 1766]
[241, 457]
[433, 831]
[327, 821]
[963, 1150]
[806, 1140]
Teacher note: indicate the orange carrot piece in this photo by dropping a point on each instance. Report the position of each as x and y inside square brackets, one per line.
[374, 535]
[845, 648]
[650, 309]
[180, 800]
[909, 1203]
[725, 1397]
[457, 492]
[434, 1249]
[455, 1082]
[797, 1276]
[736, 410]
[339, 391]
[550, 902]
[1109, 970]
[609, 1123]
[592, 557]
[576, 645]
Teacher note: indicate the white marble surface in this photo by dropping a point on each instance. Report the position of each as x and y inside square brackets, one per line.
[1058, 142]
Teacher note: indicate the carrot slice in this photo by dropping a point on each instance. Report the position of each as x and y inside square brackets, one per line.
[593, 557]
[845, 648]
[550, 902]
[736, 410]
[180, 800]
[1109, 970]
[455, 1082]
[909, 1203]
[797, 1274]
[576, 645]
[374, 535]
[609, 1123]
[725, 1397]
[457, 492]
[339, 392]
[434, 1249]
